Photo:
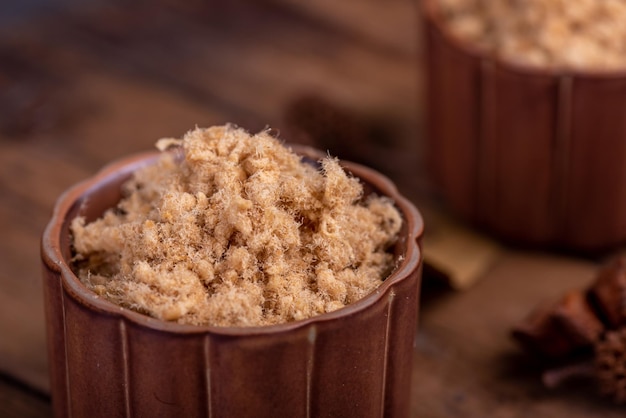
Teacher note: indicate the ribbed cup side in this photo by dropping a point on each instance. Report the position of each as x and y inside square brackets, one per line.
[94, 364]
[55, 335]
[453, 122]
[596, 183]
[350, 360]
[165, 373]
[260, 376]
[402, 320]
[107, 366]
[350, 380]
[516, 153]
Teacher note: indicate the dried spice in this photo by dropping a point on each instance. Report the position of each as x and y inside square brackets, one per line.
[562, 328]
[607, 367]
[231, 229]
[610, 362]
[608, 292]
[584, 333]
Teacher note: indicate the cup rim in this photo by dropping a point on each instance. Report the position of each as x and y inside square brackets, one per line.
[431, 13]
[52, 255]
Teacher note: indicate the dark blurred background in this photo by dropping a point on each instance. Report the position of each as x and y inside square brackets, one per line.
[14, 12]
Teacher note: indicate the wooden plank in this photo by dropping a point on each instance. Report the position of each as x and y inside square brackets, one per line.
[90, 81]
[18, 401]
[466, 363]
[389, 25]
[30, 179]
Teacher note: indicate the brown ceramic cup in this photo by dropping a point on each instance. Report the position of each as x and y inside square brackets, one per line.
[536, 156]
[107, 361]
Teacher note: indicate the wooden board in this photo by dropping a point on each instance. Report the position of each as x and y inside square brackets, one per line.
[85, 87]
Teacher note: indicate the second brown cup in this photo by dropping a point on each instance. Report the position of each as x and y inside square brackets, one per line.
[536, 156]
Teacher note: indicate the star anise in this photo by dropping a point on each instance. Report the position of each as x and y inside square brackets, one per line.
[562, 328]
[610, 364]
[608, 293]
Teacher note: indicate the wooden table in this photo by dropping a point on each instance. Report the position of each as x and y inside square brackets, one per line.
[82, 87]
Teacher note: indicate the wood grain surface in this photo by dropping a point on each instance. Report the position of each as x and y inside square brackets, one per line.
[85, 86]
